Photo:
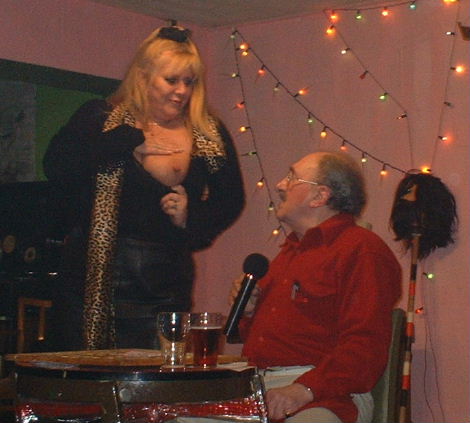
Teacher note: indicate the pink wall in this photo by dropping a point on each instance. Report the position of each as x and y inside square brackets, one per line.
[77, 35]
[409, 57]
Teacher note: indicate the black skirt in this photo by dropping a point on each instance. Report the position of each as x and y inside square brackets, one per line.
[149, 278]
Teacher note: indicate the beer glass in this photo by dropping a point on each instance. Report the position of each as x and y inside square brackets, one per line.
[206, 329]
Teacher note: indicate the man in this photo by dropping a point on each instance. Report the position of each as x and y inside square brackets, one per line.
[321, 326]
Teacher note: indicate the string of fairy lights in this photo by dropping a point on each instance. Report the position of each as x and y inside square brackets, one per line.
[385, 95]
[386, 11]
[243, 48]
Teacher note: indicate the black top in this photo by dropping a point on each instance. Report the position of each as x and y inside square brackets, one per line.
[78, 150]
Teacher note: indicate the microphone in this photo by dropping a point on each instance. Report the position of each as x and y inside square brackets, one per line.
[255, 267]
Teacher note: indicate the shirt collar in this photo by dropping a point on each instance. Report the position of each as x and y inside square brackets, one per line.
[325, 233]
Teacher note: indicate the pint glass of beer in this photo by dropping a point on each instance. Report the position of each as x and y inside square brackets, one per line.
[206, 329]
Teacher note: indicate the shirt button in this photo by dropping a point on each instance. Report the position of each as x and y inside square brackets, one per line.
[261, 339]
[273, 309]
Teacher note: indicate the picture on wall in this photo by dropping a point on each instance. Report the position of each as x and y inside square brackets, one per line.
[17, 131]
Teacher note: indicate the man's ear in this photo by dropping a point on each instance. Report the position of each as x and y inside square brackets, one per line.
[321, 197]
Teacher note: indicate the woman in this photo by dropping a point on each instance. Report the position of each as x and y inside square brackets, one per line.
[157, 177]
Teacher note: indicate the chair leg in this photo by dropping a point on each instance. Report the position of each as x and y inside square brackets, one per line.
[20, 326]
[42, 324]
[43, 305]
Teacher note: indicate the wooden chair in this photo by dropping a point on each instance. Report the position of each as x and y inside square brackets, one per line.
[7, 382]
[23, 303]
[386, 393]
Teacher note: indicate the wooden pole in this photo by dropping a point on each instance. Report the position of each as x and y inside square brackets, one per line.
[410, 333]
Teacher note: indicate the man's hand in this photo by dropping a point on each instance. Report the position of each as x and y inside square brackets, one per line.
[285, 401]
[236, 286]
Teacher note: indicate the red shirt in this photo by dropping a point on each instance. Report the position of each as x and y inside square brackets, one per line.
[327, 300]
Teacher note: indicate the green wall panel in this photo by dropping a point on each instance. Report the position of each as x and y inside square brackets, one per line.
[54, 108]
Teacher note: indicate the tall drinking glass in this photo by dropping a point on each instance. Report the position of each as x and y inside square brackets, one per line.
[206, 330]
[173, 328]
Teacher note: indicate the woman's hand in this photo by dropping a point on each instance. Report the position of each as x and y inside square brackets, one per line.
[154, 149]
[155, 143]
[175, 205]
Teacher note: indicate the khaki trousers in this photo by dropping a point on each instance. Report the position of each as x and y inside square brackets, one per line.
[282, 376]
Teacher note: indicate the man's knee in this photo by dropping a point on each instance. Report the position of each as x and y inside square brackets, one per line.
[314, 415]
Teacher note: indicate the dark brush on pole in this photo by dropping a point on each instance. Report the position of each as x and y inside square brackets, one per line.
[255, 267]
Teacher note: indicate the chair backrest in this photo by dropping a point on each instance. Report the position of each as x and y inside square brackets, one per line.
[386, 392]
[42, 305]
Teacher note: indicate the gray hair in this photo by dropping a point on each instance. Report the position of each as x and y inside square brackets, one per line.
[344, 177]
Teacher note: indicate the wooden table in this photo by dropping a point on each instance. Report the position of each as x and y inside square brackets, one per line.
[112, 382]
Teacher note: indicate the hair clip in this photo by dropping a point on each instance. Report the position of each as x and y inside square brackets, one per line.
[174, 34]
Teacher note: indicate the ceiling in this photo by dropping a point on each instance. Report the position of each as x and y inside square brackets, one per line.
[213, 13]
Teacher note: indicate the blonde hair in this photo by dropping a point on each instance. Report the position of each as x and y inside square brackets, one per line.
[154, 53]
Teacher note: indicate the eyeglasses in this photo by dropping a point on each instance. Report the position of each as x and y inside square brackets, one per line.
[292, 177]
